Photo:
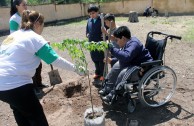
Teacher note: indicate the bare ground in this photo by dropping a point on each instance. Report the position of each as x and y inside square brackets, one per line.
[65, 103]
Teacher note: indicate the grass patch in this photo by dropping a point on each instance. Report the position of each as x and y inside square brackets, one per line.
[189, 35]
[153, 22]
[121, 19]
[82, 22]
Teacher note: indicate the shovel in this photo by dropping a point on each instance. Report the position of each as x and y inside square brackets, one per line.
[54, 76]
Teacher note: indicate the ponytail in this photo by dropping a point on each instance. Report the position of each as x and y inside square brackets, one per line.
[13, 9]
[29, 18]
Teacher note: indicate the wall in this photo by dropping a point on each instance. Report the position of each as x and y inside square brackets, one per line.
[174, 6]
[51, 13]
[4, 18]
[125, 7]
[60, 12]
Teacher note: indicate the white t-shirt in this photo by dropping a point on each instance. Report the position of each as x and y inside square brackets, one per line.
[18, 61]
[15, 22]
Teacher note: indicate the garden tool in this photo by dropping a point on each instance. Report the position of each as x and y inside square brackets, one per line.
[54, 76]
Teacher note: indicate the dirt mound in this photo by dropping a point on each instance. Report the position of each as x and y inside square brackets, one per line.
[55, 97]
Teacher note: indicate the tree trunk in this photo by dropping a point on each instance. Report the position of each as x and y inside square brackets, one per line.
[133, 16]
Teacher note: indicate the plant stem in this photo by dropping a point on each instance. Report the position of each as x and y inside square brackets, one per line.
[88, 81]
[91, 95]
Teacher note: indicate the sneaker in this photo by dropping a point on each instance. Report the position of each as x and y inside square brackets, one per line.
[95, 76]
[131, 105]
[101, 78]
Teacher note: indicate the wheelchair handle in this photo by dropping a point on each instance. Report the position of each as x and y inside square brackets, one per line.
[167, 36]
[176, 37]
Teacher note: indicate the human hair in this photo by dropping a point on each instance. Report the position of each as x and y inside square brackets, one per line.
[122, 31]
[93, 7]
[13, 9]
[109, 17]
[29, 18]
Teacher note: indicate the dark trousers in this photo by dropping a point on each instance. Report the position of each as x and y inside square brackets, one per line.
[118, 74]
[37, 79]
[99, 65]
[26, 107]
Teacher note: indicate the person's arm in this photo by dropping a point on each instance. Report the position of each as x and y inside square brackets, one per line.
[48, 55]
[13, 26]
[126, 55]
[87, 30]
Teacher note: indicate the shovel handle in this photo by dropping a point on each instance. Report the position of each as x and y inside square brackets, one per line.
[51, 66]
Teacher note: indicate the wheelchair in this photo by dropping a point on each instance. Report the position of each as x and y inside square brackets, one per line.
[155, 82]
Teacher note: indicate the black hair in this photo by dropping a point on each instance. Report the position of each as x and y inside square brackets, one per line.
[93, 7]
[13, 6]
[109, 17]
[122, 31]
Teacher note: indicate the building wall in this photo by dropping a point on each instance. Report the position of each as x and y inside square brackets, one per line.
[125, 7]
[59, 12]
[174, 6]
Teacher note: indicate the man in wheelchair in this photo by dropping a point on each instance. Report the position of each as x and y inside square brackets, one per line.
[128, 59]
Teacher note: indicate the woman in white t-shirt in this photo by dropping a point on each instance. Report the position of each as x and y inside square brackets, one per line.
[17, 8]
[20, 55]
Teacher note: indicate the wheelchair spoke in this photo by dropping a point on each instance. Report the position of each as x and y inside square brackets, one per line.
[158, 87]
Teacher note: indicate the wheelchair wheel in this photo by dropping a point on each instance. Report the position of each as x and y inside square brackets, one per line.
[157, 86]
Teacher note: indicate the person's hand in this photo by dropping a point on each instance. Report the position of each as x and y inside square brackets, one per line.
[81, 71]
[109, 60]
[110, 46]
[88, 35]
[103, 29]
[112, 38]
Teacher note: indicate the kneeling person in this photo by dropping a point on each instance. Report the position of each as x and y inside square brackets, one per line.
[131, 53]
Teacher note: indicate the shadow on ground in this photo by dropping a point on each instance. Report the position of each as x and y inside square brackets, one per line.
[145, 116]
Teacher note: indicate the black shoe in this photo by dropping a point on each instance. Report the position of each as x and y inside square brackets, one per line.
[42, 86]
[37, 91]
[103, 92]
[106, 90]
[131, 105]
[109, 98]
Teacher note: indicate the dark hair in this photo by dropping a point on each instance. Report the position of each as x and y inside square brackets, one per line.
[109, 17]
[29, 18]
[13, 6]
[93, 7]
[122, 31]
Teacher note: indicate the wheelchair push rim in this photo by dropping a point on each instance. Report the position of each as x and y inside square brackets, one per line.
[157, 86]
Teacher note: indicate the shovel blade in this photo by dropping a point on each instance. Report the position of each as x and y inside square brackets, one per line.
[54, 77]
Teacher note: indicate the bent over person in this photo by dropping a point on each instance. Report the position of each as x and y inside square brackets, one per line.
[131, 53]
[20, 55]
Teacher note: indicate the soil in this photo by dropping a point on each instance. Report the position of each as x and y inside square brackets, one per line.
[64, 104]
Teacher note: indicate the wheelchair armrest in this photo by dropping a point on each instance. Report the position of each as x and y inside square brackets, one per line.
[151, 63]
